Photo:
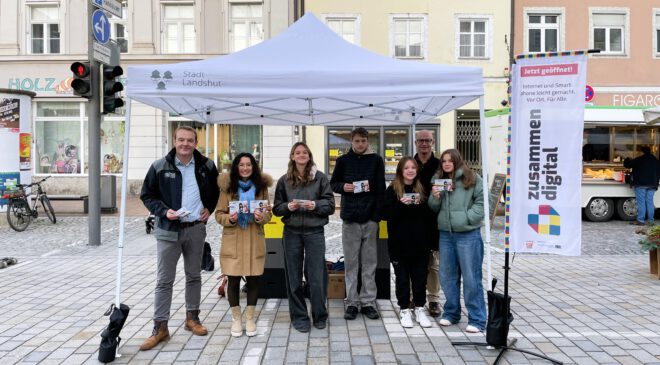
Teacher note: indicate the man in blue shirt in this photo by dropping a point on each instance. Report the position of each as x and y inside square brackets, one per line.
[181, 190]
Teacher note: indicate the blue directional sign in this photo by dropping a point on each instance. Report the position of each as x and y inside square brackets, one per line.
[100, 26]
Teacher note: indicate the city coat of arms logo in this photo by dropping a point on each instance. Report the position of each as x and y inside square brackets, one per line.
[161, 80]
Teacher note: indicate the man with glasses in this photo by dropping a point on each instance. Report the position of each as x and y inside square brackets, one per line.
[428, 165]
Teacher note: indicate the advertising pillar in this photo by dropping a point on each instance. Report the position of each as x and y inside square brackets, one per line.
[15, 140]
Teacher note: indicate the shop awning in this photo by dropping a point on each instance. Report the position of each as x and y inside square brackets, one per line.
[307, 75]
[652, 116]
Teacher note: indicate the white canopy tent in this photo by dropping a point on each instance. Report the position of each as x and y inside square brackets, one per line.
[307, 75]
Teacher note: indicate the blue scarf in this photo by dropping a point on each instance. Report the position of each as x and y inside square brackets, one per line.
[245, 193]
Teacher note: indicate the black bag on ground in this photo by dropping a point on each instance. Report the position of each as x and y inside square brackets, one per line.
[207, 259]
[110, 336]
[497, 328]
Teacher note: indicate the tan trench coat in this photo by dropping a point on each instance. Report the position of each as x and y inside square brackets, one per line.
[242, 251]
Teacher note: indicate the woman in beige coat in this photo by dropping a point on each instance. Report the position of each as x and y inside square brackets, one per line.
[243, 246]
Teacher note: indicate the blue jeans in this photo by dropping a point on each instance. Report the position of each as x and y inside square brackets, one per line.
[462, 254]
[644, 197]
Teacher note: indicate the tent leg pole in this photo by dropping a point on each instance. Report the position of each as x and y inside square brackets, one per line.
[206, 128]
[484, 174]
[124, 188]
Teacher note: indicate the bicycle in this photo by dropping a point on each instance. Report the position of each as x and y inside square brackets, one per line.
[19, 212]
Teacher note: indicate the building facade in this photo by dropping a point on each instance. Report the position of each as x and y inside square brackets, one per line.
[623, 79]
[40, 39]
[466, 33]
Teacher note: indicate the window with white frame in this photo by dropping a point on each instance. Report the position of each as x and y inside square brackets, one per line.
[346, 27]
[179, 28]
[119, 30]
[657, 33]
[247, 25]
[472, 38]
[409, 37]
[542, 32]
[44, 29]
[609, 32]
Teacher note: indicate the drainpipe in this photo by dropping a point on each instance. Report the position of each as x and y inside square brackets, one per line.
[513, 27]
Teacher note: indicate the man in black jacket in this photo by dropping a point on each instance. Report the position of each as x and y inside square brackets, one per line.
[360, 212]
[428, 165]
[181, 190]
[645, 176]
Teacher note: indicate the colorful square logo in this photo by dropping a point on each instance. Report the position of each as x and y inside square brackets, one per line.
[546, 222]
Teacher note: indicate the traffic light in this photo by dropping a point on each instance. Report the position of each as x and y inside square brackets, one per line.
[82, 82]
[111, 86]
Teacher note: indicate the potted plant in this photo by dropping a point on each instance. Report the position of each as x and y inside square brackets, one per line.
[651, 242]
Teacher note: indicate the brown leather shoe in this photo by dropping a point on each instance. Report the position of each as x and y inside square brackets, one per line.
[434, 309]
[160, 333]
[193, 324]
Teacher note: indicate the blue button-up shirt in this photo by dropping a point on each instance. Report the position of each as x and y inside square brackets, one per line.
[190, 198]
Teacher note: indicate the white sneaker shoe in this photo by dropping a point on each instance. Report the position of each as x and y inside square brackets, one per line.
[472, 329]
[445, 322]
[421, 317]
[406, 318]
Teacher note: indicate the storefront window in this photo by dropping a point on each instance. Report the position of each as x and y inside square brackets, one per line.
[246, 138]
[396, 146]
[57, 147]
[58, 138]
[112, 146]
[596, 144]
[225, 141]
[614, 144]
[339, 143]
[624, 143]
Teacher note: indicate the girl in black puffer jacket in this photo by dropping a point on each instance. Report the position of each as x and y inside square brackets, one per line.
[409, 239]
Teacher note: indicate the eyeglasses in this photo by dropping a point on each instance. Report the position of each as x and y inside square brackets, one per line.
[427, 141]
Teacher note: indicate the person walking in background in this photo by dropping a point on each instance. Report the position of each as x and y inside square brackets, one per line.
[460, 214]
[360, 213]
[645, 176]
[409, 239]
[304, 236]
[243, 245]
[428, 166]
[180, 190]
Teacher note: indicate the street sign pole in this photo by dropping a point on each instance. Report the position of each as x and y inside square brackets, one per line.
[93, 139]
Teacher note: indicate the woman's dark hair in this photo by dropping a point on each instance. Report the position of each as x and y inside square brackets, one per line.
[468, 178]
[234, 176]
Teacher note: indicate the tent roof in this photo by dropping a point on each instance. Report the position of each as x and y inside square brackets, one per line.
[306, 75]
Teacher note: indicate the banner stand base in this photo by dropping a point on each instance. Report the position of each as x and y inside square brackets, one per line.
[503, 349]
[510, 342]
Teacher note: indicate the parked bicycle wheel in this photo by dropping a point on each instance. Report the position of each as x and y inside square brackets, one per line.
[48, 209]
[18, 215]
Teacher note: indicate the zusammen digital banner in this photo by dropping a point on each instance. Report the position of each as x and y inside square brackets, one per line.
[547, 120]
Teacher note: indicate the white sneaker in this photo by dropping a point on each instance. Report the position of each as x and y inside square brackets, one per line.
[406, 318]
[472, 329]
[421, 317]
[445, 322]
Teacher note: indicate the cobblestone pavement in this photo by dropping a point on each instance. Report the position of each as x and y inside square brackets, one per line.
[598, 308]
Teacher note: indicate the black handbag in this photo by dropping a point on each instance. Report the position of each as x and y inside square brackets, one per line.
[208, 264]
[497, 328]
